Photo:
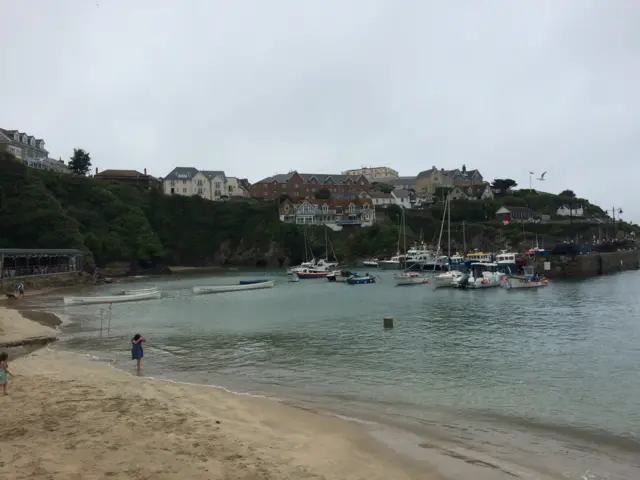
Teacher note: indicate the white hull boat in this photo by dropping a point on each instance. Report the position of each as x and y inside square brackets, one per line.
[409, 278]
[139, 290]
[232, 288]
[112, 298]
[449, 279]
[483, 275]
[370, 263]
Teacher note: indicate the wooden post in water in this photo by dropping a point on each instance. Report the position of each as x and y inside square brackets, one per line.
[109, 324]
[387, 322]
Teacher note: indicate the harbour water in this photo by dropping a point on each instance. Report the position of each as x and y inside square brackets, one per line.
[488, 383]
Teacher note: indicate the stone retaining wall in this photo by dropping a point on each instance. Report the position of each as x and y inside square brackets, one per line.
[51, 280]
[588, 265]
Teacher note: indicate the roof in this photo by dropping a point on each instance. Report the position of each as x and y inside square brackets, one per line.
[306, 177]
[39, 251]
[380, 195]
[456, 172]
[398, 180]
[510, 209]
[332, 202]
[6, 136]
[120, 173]
[401, 193]
[181, 173]
[213, 173]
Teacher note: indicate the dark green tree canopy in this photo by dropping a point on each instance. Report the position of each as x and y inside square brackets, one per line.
[502, 185]
[80, 162]
[567, 193]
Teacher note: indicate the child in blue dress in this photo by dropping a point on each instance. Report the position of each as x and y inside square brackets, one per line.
[4, 372]
[136, 348]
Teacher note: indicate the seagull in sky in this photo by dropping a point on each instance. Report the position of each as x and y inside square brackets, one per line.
[541, 179]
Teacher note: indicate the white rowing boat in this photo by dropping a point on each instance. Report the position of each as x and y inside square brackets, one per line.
[112, 298]
[139, 290]
[232, 288]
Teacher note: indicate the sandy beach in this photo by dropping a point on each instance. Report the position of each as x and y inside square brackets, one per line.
[70, 417]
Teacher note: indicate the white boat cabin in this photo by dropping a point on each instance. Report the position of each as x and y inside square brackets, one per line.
[506, 257]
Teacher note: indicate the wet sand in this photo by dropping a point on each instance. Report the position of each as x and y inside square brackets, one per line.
[68, 417]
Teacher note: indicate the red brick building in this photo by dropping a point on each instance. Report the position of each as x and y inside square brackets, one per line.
[305, 185]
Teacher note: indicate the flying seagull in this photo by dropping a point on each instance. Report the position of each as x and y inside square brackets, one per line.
[541, 179]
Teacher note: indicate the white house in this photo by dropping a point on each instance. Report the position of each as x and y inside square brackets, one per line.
[402, 198]
[209, 184]
[566, 211]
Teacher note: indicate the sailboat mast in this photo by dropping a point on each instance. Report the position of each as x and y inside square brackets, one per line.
[404, 232]
[326, 243]
[444, 216]
[464, 238]
[449, 228]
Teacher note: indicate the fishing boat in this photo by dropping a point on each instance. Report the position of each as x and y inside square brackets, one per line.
[322, 265]
[294, 279]
[252, 282]
[529, 279]
[372, 262]
[232, 288]
[409, 278]
[356, 279]
[112, 298]
[482, 275]
[309, 273]
[139, 290]
[339, 276]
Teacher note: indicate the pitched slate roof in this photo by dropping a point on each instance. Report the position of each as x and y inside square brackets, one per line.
[182, 173]
[213, 173]
[399, 181]
[380, 195]
[120, 173]
[322, 178]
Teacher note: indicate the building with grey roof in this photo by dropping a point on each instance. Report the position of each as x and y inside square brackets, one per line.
[210, 184]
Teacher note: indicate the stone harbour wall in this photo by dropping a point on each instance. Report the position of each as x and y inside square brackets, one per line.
[588, 265]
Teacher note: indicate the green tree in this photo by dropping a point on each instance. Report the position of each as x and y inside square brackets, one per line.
[502, 185]
[567, 193]
[323, 194]
[80, 162]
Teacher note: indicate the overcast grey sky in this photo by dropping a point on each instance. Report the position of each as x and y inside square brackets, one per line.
[259, 87]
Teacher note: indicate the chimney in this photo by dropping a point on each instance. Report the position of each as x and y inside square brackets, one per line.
[145, 171]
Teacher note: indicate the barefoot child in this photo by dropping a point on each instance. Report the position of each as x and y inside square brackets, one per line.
[4, 371]
[136, 349]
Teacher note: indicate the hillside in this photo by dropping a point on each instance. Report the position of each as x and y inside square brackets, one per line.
[113, 222]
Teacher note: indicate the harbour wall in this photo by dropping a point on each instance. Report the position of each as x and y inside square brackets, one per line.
[560, 266]
[41, 282]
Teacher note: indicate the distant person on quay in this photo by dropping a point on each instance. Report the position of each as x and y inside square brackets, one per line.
[136, 349]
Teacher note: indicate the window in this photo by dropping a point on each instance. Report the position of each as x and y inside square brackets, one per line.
[184, 190]
[325, 209]
[230, 188]
[295, 185]
[184, 182]
[217, 185]
[217, 193]
[286, 207]
[200, 183]
[172, 183]
[305, 208]
[352, 208]
[366, 206]
[200, 191]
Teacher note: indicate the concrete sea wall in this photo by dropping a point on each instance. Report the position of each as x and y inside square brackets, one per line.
[40, 282]
[559, 266]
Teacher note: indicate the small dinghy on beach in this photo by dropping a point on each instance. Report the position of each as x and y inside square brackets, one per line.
[232, 288]
[113, 298]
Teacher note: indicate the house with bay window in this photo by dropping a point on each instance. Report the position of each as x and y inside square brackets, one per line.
[333, 212]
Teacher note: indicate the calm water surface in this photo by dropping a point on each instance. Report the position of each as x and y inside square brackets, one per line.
[543, 384]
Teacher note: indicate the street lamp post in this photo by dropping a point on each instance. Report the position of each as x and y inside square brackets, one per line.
[530, 175]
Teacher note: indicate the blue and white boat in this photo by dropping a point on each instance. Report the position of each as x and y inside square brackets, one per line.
[251, 282]
[356, 279]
